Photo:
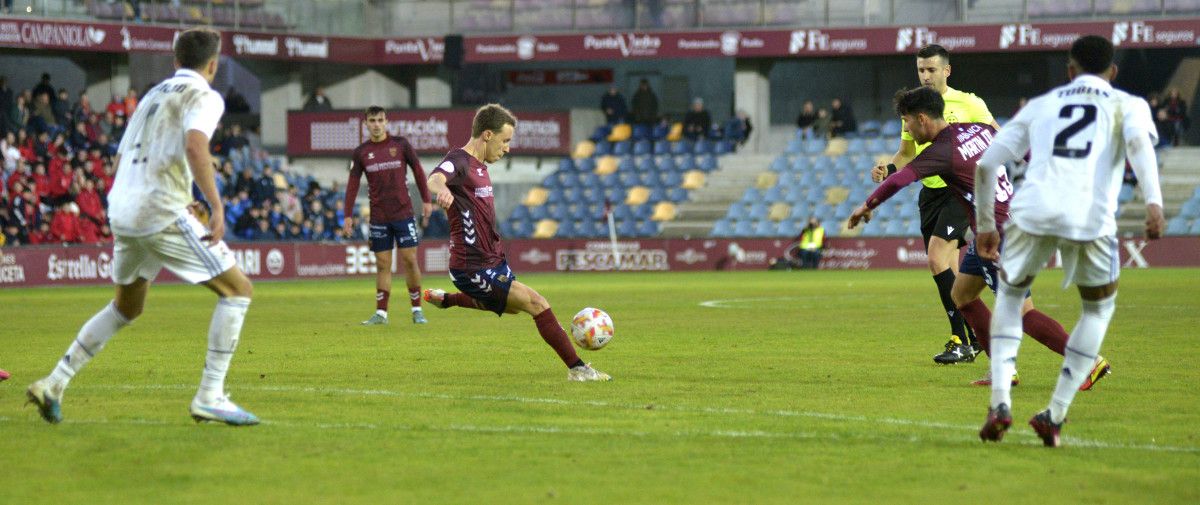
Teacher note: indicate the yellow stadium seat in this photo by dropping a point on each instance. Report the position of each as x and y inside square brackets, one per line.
[836, 147]
[584, 149]
[607, 164]
[663, 211]
[779, 211]
[545, 228]
[536, 197]
[637, 195]
[766, 180]
[836, 195]
[676, 133]
[620, 133]
[693, 179]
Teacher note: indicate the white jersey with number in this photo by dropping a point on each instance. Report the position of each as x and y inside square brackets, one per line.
[1076, 137]
[153, 186]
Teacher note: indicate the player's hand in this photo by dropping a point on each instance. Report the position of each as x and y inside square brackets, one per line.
[862, 213]
[1155, 222]
[348, 225]
[216, 227]
[445, 199]
[426, 211]
[879, 173]
[987, 245]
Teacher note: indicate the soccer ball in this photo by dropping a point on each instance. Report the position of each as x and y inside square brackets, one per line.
[591, 329]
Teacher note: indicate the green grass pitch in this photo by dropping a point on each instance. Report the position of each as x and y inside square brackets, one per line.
[747, 387]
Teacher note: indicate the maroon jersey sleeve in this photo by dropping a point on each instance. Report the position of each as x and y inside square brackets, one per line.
[356, 172]
[892, 185]
[414, 163]
[453, 168]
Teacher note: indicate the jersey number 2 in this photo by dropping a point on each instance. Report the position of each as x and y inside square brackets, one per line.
[1064, 137]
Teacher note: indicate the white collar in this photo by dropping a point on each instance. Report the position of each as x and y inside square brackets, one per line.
[187, 72]
[1092, 80]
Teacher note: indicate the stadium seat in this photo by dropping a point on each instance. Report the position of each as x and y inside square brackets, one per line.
[721, 228]
[1178, 225]
[773, 194]
[566, 164]
[538, 213]
[677, 195]
[585, 164]
[647, 165]
[648, 229]
[578, 211]
[627, 228]
[643, 211]
[661, 131]
[869, 126]
[744, 229]
[648, 179]
[766, 180]
[603, 148]
[693, 180]
[702, 146]
[641, 133]
[612, 180]
[707, 163]
[663, 211]
[814, 146]
[637, 195]
[642, 148]
[787, 228]
[607, 164]
[779, 211]
[801, 164]
[836, 194]
[723, 147]
[895, 228]
[629, 179]
[751, 195]
[623, 148]
[565, 229]
[836, 147]
[780, 164]
[665, 162]
[765, 228]
[843, 231]
[890, 129]
[670, 179]
[685, 163]
[675, 133]
[520, 212]
[545, 228]
[620, 133]
[657, 194]
[758, 211]
[662, 147]
[627, 164]
[535, 196]
[681, 147]
[877, 145]
[795, 146]
[589, 180]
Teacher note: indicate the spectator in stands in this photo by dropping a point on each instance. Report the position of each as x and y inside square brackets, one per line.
[262, 231]
[17, 116]
[13, 235]
[645, 105]
[130, 102]
[106, 122]
[90, 206]
[78, 141]
[317, 101]
[7, 102]
[41, 235]
[235, 140]
[738, 128]
[118, 129]
[697, 121]
[808, 116]
[10, 153]
[44, 88]
[43, 119]
[1177, 115]
[613, 106]
[811, 243]
[290, 201]
[62, 108]
[82, 111]
[264, 187]
[821, 127]
[116, 106]
[235, 103]
[841, 119]
[64, 227]
[247, 222]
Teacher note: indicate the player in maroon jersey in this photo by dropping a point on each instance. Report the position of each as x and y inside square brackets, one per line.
[386, 159]
[955, 149]
[477, 265]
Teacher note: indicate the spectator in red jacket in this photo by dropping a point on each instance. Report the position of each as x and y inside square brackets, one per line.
[64, 227]
[60, 178]
[41, 235]
[116, 106]
[89, 202]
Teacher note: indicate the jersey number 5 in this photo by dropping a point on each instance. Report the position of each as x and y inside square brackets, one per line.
[1064, 137]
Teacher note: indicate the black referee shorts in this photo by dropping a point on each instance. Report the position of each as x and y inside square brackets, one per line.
[942, 215]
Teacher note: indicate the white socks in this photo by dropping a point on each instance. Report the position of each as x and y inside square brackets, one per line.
[381, 313]
[1081, 352]
[1006, 341]
[222, 341]
[88, 343]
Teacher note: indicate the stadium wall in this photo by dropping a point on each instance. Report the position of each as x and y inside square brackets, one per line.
[92, 265]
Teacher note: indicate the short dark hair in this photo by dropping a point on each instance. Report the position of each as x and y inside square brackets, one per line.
[1092, 53]
[196, 46]
[919, 100]
[932, 50]
[492, 117]
[373, 110]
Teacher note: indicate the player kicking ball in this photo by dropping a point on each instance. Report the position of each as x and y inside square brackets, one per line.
[1078, 137]
[951, 155]
[386, 160]
[462, 186]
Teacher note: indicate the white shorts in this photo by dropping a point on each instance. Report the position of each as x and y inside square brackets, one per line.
[177, 247]
[1088, 264]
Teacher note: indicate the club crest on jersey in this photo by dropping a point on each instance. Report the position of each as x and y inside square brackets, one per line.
[370, 156]
[392, 151]
[479, 172]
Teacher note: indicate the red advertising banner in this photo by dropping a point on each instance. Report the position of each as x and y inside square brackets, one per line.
[24, 32]
[431, 131]
[562, 76]
[92, 265]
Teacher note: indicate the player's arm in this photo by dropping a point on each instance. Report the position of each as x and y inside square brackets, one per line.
[904, 155]
[414, 162]
[201, 164]
[437, 185]
[1010, 144]
[890, 187]
[351, 194]
[1140, 137]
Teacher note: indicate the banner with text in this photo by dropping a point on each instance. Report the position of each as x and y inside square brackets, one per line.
[431, 131]
[92, 265]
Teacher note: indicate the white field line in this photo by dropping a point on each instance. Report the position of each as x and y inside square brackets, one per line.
[1027, 438]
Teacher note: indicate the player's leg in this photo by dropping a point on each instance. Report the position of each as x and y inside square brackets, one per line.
[381, 242]
[133, 267]
[942, 225]
[1094, 267]
[407, 241]
[522, 298]
[968, 284]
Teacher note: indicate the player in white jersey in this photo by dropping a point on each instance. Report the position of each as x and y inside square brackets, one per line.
[164, 150]
[1078, 137]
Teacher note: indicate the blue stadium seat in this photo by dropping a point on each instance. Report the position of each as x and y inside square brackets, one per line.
[614, 194]
[520, 212]
[723, 147]
[855, 146]
[780, 164]
[647, 164]
[895, 228]
[627, 228]
[658, 194]
[600, 133]
[623, 212]
[566, 164]
[589, 180]
[539, 213]
[642, 148]
[603, 148]
[643, 211]
[660, 131]
[795, 146]
[891, 128]
[707, 163]
[648, 229]
[628, 179]
[670, 179]
[624, 148]
[873, 228]
[801, 163]
[751, 195]
[702, 146]
[627, 164]
[662, 147]
[722, 228]
[570, 195]
[743, 229]
[681, 147]
[641, 132]
[665, 162]
[787, 228]
[677, 195]
[1178, 225]
[869, 126]
[773, 194]
[758, 210]
[567, 229]
[1126, 193]
[612, 180]
[1191, 208]
[585, 165]
[832, 227]
[765, 228]
[556, 196]
[551, 181]
[1195, 229]
[796, 194]
[685, 163]
[814, 146]
[879, 145]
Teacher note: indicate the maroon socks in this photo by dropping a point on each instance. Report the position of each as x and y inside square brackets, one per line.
[553, 334]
